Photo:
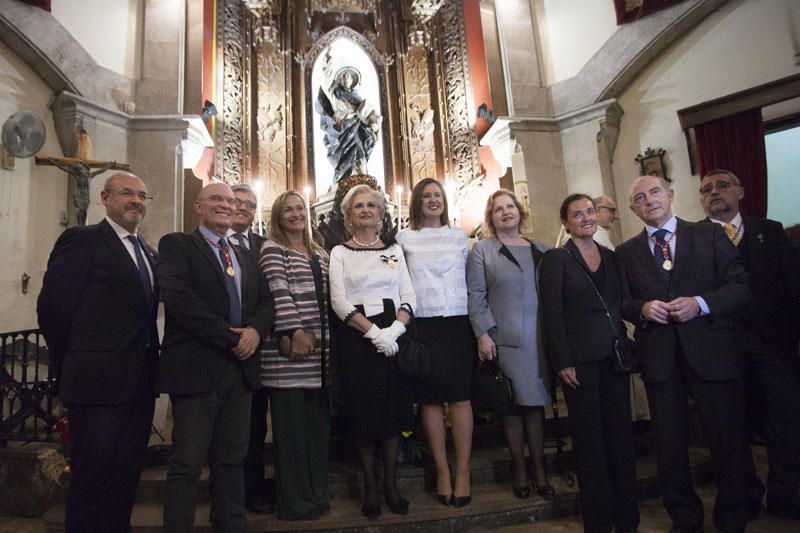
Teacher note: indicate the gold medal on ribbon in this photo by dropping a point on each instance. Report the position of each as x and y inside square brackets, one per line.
[667, 265]
[391, 263]
[230, 271]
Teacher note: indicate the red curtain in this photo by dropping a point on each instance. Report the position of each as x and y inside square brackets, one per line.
[736, 143]
[627, 13]
[43, 4]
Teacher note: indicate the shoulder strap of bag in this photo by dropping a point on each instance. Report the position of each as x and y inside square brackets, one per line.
[596, 290]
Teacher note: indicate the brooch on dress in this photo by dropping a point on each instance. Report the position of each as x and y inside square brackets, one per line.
[390, 260]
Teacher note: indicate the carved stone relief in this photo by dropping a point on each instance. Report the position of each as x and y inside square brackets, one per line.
[346, 6]
[420, 113]
[463, 143]
[271, 119]
[229, 131]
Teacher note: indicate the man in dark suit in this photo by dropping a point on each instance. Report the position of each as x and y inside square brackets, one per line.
[682, 284]
[218, 306]
[768, 333]
[97, 311]
[255, 493]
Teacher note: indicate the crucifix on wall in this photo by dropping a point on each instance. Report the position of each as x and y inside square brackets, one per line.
[82, 169]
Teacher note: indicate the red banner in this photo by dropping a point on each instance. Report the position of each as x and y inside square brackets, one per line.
[630, 10]
[42, 4]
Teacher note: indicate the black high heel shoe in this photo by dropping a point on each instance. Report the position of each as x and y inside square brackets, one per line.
[446, 500]
[371, 511]
[523, 493]
[461, 501]
[400, 507]
[546, 491]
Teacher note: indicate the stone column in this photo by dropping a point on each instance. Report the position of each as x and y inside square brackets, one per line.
[160, 87]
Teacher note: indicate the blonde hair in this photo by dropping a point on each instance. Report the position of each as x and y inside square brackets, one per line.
[487, 213]
[277, 232]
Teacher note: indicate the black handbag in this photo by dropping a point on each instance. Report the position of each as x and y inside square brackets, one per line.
[623, 360]
[414, 359]
[491, 390]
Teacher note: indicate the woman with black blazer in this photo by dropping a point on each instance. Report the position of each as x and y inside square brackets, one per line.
[578, 341]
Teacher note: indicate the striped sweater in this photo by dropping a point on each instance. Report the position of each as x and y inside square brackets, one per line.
[291, 281]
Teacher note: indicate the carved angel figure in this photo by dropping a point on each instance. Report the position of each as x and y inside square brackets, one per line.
[421, 122]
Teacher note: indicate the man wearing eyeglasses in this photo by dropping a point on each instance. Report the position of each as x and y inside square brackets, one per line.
[218, 306]
[769, 334]
[242, 224]
[255, 492]
[97, 312]
[682, 285]
[606, 217]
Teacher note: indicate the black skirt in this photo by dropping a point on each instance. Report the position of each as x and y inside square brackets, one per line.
[378, 399]
[453, 351]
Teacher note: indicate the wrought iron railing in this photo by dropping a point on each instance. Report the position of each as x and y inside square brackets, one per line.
[28, 409]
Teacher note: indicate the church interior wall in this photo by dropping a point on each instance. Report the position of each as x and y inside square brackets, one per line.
[572, 32]
[31, 198]
[109, 30]
[744, 44]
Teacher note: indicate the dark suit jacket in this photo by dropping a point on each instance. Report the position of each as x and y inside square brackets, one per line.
[256, 241]
[94, 316]
[197, 338]
[576, 328]
[706, 265]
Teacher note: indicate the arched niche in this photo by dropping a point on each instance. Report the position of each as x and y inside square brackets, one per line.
[348, 48]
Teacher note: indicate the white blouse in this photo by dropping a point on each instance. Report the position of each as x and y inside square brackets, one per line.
[437, 259]
[367, 277]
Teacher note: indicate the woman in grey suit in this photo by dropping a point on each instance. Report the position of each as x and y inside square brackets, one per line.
[503, 310]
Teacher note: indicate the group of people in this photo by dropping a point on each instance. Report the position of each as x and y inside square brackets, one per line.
[251, 321]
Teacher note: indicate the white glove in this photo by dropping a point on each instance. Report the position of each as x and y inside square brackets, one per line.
[382, 340]
[395, 330]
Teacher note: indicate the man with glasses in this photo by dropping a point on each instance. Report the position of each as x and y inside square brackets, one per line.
[255, 490]
[218, 307]
[606, 217]
[97, 312]
[242, 224]
[682, 284]
[768, 331]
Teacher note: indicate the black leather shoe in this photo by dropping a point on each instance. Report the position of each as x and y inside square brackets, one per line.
[324, 508]
[371, 511]
[545, 491]
[461, 501]
[447, 501]
[259, 507]
[523, 493]
[401, 507]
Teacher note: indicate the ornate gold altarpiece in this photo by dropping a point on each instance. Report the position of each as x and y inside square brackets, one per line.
[265, 50]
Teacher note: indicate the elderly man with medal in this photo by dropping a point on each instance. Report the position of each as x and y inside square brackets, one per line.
[682, 285]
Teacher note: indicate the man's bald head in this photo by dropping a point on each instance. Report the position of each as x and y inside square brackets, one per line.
[125, 198]
[216, 204]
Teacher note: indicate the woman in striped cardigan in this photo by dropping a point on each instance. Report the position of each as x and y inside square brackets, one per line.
[294, 360]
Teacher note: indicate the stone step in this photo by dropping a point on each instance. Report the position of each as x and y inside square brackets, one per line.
[493, 505]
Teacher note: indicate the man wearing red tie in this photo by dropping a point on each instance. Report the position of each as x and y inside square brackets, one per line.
[97, 312]
[769, 334]
[682, 285]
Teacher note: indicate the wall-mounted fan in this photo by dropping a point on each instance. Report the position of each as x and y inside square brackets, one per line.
[23, 134]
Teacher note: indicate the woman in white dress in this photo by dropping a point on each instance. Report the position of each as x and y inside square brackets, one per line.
[437, 255]
[371, 295]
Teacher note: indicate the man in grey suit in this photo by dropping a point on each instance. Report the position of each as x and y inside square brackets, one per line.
[218, 306]
[682, 285]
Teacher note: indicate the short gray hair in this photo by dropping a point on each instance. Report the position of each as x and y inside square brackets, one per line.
[728, 173]
[244, 187]
[378, 196]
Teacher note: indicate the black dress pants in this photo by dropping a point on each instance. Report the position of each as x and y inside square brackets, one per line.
[720, 409]
[602, 438]
[109, 445]
[254, 484]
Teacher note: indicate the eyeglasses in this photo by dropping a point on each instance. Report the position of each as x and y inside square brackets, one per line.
[612, 210]
[720, 185]
[247, 203]
[128, 194]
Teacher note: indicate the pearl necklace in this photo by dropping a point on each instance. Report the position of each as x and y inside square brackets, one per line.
[361, 244]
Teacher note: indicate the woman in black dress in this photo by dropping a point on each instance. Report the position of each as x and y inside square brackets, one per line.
[579, 342]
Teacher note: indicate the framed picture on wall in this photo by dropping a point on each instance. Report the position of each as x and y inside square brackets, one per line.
[651, 163]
